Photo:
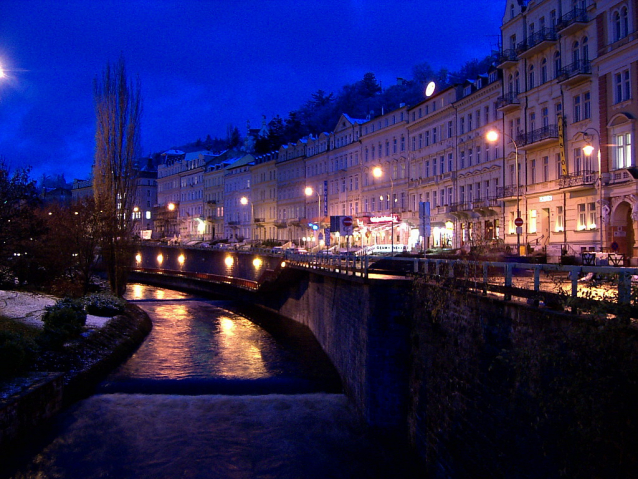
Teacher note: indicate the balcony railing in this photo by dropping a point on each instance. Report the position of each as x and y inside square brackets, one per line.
[509, 99]
[540, 134]
[260, 220]
[574, 16]
[509, 192]
[581, 178]
[580, 67]
[544, 35]
[281, 224]
[507, 56]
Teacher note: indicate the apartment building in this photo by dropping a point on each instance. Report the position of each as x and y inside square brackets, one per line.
[561, 99]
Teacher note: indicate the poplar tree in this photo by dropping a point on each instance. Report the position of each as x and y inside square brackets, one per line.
[118, 107]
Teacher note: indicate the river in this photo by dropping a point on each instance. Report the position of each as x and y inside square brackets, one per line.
[214, 393]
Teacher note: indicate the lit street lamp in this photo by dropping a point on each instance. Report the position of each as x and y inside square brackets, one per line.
[377, 172]
[492, 136]
[588, 150]
[244, 201]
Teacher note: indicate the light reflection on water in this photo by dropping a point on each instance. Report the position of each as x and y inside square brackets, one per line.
[199, 339]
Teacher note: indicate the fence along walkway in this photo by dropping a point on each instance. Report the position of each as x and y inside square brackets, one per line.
[535, 282]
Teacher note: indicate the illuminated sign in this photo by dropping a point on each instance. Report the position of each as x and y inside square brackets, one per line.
[384, 219]
[542, 199]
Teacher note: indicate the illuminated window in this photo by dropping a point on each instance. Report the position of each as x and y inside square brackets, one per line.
[532, 221]
[560, 223]
[582, 217]
[591, 216]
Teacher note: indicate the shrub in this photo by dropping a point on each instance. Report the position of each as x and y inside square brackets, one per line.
[103, 304]
[62, 321]
[16, 353]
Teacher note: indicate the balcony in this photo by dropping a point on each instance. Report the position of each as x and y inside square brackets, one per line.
[508, 102]
[572, 21]
[582, 178]
[507, 58]
[260, 220]
[575, 73]
[536, 42]
[486, 206]
[233, 223]
[537, 138]
[281, 224]
[509, 192]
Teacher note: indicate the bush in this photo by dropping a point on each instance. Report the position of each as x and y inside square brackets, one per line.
[16, 353]
[62, 321]
[103, 304]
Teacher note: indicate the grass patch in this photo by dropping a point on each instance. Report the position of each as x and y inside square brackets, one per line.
[14, 326]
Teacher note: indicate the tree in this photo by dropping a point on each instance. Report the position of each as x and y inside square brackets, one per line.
[118, 110]
[19, 227]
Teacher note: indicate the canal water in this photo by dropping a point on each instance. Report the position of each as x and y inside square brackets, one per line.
[216, 393]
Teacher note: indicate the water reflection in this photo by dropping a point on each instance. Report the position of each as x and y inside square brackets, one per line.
[197, 339]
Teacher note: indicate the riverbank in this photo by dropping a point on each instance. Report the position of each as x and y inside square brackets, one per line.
[59, 378]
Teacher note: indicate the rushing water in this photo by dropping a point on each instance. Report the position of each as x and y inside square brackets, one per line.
[211, 394]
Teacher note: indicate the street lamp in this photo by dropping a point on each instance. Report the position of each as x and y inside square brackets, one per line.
[588, 150]
[244, 201]
[492, 136]
[309, 191]
[377, 172]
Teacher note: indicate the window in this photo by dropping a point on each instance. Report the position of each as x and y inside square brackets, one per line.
[442, 161]
[577, 114]
[575, 54]
[434, 136]
[545, 116]
[545, 168]
[622, 87]
[544, 70]
[478, 155]
[560, 219]
[620, 24]
[449, 162]
[462, 159]
[530, 77]
[621, 150]
[533, 171]
[557, 64]
[462, 126]
[532, 222]
[578, 160]
[582, 217]
[586, 105]
[449, 129]
[591, 216]
[434, 170]
[469, 122]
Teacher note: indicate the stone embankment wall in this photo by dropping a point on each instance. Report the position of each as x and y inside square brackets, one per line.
[74, 373]
[506, 390]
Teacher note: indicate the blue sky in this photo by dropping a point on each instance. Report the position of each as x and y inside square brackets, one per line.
[206, 64]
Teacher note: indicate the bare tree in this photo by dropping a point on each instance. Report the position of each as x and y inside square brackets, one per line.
[118, 110]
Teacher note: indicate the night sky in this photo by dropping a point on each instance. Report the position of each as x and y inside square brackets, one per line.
[206, 64]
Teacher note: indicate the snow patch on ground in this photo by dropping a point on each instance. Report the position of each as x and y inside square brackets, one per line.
[30, 307]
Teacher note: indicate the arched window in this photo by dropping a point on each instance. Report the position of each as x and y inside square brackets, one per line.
[517, 83]
[530, 77]
[617, 31]
[544, 70]
[557, 64]
[575, 53]
[585, 49]
[624, 18]
[510, 83]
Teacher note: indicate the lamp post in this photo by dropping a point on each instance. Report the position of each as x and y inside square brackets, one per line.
[309, 191]
[244, 201]
[492, 136]
[377, 172]
[589, 149]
